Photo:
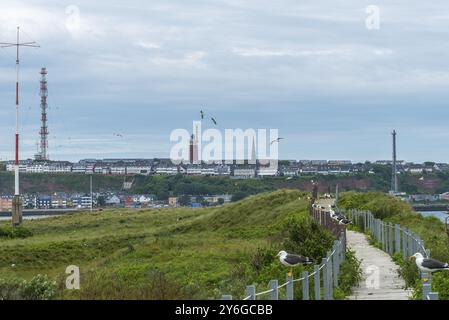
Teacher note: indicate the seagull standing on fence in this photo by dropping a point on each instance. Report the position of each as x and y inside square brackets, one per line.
[344, 222]
[427, 264]
[292, 260]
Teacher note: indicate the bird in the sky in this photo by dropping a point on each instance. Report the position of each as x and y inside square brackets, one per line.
[292, 260]
[276, 140]
[202, 114]
[118, 135]
[427, 264]
[214, 121]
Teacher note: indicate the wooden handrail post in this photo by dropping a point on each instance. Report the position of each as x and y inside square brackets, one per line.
[289, 288]
[274, 295]
[317, 284]
[251, 291]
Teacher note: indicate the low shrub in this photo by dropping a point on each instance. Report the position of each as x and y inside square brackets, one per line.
[39, 287]
[10, 289]
[350, 273]
[15, 232]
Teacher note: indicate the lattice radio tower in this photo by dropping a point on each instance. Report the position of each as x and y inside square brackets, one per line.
[43, 153]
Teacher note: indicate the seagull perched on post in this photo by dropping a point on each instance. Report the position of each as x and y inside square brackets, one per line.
[292, 260]
[344, 221]
[427, 264]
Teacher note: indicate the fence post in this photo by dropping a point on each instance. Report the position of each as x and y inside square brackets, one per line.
[426, 285]
[391, 240]
[397, 239]
[274, 295]
[251, 291]
[375, 229]
[426, 288]
[404, 243]
[386, 237]
[335, 263]
[410, 243]
[379, 232]
[382, 235]
[305, 285]
[329, 279]
[421, 247]
[226, 297]
[364, 221]
[289, 287]
[317, 284]
[325, 281]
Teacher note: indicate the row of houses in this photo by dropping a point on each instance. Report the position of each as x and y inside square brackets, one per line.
[426, 197]
[165, 168]
[56, 201]
[84, 201]
[236, 169]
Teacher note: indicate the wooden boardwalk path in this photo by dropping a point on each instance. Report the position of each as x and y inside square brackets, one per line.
[380, 280]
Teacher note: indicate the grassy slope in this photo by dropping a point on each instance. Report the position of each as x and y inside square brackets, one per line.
[201, 253]
[431, 230]
[216, 185]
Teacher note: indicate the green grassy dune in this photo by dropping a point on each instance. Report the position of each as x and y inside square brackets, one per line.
[167, 253]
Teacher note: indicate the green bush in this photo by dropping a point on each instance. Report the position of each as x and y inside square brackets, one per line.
[380, 204]
[15, 232]
[239, 195]
[350, 273]
[10, 289]
[440, 284]
[304, 236]
[408, 270]
[38, 288]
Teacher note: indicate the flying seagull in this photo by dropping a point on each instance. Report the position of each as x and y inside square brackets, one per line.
[292, 260]
[202, 114]
[427, 264]
[276, 140]
[214, 121]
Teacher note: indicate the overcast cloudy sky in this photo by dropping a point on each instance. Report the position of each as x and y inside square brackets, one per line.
[334, 88]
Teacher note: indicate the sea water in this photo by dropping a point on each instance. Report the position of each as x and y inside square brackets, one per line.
[439, 214]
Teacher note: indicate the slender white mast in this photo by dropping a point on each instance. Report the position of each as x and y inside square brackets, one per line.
[17, 206]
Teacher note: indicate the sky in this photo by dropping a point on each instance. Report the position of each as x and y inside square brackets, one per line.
[332, 81]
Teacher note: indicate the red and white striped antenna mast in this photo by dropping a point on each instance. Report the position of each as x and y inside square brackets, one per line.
[17, 205]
